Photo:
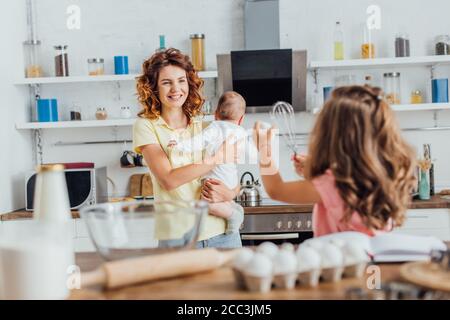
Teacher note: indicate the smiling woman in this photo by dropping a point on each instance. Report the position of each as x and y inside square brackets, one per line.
[169, 91]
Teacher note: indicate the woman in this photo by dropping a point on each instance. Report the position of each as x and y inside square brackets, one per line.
[170, 92]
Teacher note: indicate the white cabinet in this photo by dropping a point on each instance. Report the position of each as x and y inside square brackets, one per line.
[12, 223]
[427, 222]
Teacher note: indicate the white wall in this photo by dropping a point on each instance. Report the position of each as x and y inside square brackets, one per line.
[15, 147]
[116, 27]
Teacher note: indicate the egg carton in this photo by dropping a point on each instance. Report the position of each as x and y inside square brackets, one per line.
[269, 267]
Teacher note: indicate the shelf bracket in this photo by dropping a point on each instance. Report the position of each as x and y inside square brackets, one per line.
[432, 69]
[38, 146]
[435, 118]
[315, 74]
[118, 90]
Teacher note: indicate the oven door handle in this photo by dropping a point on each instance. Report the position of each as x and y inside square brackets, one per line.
[281, 236]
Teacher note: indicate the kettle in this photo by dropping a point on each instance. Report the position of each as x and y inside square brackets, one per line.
[250, 194]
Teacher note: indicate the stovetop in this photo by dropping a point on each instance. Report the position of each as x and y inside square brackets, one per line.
[271, 202]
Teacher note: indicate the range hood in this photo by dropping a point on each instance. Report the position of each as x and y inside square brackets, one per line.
[262, 24]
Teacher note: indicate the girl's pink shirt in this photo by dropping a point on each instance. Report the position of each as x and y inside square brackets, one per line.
[328, 214]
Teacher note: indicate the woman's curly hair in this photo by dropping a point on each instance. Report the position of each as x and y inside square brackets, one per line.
[357, 137]
[147, 84]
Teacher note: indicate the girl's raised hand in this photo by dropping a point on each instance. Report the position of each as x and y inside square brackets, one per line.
[299, 161]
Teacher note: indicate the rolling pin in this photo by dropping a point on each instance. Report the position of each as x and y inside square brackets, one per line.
[125, 272]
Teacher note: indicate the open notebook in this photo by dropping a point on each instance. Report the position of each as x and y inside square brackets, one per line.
[392, 247]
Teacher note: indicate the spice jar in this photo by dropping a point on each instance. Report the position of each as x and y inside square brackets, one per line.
[101, 114]
[75, 113]
[125, 112]
[416, 97]
[61, 61]
[392, 87]
[402, 45]
[367, 48]
[442, 45]
[32, 52]
[96, 66]
[198, 51]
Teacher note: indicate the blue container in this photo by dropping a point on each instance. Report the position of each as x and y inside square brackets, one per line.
[47, 110]
[439, 89]
[121, 64]
[327, 93]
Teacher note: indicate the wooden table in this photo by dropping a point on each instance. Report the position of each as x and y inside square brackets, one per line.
[218, 285]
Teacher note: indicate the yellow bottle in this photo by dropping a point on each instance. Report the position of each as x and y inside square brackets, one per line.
[338, 51]
[338, 42]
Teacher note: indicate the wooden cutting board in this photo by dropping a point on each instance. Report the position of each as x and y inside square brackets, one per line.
[426, 274]
[146, 185]
[141, 185]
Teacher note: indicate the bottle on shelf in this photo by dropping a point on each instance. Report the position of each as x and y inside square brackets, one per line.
[427, 156]
[338, 42]
[368, 80]
[416, 97]
[162, 43]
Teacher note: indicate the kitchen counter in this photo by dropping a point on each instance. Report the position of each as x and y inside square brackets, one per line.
[268, 206]
[217, 285]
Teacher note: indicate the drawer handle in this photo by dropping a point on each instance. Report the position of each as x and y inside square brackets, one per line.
[282, 236]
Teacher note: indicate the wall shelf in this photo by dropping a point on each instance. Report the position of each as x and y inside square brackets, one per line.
[105, 78]
[421, 107]
[428, 61]
[83, 124]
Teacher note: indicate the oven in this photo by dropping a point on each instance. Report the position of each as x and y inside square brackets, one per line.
[277, 223]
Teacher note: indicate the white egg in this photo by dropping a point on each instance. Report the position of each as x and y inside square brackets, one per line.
[259, 266]
[354, 253]
[284, 263]
[314, 243]
[287, 246]
[338, 242]
[242, 258]
[268, 248]
[307, 259]
[332, 256]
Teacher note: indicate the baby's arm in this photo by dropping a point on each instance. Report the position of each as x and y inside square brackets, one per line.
[199, 142]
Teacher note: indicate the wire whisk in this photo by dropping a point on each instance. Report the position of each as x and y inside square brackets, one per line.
[283, 113]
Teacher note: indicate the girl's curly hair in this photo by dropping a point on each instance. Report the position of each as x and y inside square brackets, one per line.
[147, 84]
[357, 137]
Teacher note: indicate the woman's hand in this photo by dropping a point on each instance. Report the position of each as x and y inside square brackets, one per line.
[299, 161]
[214, 190]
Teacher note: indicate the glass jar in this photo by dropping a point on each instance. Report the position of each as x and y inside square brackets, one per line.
[61, 61]
[101, 114]
[416, 97]
[442, 45]
[96, 66]
[345, 80]
[392, 87]
[402, 45]
[198, 51]
[125, 112]
[32, 52]
[368, 47]
[75, 113]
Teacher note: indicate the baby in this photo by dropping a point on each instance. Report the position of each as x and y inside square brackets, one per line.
[229, 116]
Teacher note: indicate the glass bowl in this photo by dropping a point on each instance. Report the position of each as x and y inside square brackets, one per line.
[130, 229]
